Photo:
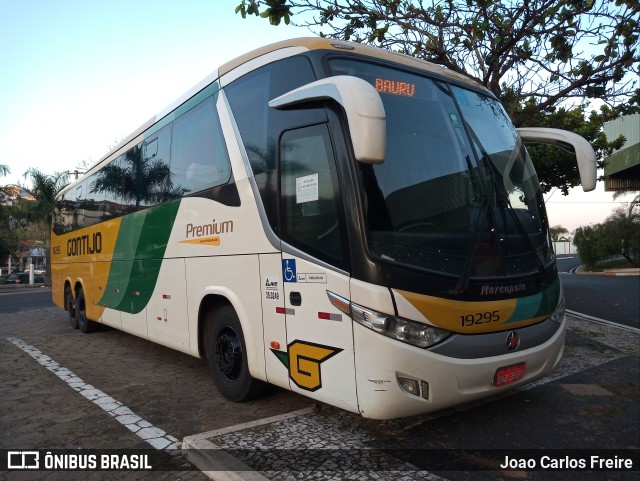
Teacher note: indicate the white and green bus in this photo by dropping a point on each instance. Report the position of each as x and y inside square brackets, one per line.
[354, 225]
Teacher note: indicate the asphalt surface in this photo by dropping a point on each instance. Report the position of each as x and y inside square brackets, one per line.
[60, 389]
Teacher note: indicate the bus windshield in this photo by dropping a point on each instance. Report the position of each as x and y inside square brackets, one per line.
[457, 193]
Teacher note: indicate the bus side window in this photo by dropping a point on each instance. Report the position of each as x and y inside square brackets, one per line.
[199, 157]
[260, 125]
[158, 185]
[311, 207]
[78, 214]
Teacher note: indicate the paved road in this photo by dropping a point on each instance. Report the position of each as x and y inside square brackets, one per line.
[171, 391]
[15, 299]
[611, 298]
[63, 389]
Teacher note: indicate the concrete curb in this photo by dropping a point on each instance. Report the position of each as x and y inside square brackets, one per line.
[217, 464]
[608, 272]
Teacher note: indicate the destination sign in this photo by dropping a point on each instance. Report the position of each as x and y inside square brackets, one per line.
[395, 87]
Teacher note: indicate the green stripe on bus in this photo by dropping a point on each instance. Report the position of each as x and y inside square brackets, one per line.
[137, 258]
[541, 304]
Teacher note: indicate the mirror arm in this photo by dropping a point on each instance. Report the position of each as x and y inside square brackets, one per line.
[360, 101]
[585, 155]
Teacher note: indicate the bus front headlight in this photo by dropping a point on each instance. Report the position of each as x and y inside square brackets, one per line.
[412, 332]
[558, 314]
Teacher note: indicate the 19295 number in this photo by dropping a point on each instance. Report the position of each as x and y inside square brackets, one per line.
[479, 318]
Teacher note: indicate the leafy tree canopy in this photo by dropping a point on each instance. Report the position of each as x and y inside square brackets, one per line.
[44, 188]
[618, 235]
[545, 50]
[536, 56]
[557, 168]
[557, 232]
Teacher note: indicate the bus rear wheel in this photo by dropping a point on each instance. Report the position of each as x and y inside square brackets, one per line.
[85, 325]
[227, 355]
[70, 304]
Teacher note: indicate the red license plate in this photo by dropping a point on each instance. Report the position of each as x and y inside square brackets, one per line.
[509, 374]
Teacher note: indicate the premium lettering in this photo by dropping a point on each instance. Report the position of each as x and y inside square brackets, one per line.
[214, 228]
[86, 244]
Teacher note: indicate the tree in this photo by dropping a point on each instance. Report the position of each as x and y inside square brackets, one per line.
[558, 169]
[548, 50]
[534, 55]
[619, 234]
[594, 244]
[6, 237]
[556, 232]
[136, 179]
[4, 170]
[624, 227]
[44, 188]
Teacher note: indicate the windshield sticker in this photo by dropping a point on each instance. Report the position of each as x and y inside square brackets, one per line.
[312, 278]
[455, 120]
[307, 189]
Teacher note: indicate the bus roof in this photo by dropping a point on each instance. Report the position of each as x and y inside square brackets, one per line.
[319, 43]
[304, 44]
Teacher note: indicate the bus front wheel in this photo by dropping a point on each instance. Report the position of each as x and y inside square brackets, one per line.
[227, 355]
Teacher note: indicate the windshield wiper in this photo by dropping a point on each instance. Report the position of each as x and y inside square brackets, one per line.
[504, 203]
[463, 279]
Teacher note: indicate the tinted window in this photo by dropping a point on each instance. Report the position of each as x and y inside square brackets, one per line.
[156, 153]
[456, 194]
[260, 125]
[312, 217]
[186, 156]
[199, 157]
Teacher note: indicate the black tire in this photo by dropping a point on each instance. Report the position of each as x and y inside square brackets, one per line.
[85, 325]
[70, 304]
[227, 355]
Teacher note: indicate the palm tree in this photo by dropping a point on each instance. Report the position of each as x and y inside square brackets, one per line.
[135, 179]
[4, 249]
[44, 189]
[4, 170]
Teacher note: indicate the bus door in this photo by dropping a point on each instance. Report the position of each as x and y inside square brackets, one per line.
[319, 352]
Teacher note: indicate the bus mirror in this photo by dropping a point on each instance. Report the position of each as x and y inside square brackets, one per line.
[362, 104]
[570, 142]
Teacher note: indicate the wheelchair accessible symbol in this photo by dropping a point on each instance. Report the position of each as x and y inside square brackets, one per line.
[289, 270]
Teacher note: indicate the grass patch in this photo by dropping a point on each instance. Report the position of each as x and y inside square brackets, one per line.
[612, 264]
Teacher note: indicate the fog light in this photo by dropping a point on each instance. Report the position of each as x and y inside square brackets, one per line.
[409, 385]
[425, 389]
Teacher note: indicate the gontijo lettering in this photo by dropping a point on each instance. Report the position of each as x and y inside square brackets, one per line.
[82, 245]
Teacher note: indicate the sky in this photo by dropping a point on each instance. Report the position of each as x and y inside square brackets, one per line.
[77, 76]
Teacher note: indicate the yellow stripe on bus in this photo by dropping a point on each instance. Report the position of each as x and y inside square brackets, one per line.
[466, 317]
[86, 255]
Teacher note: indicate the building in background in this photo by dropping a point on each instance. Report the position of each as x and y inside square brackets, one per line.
[622, 171]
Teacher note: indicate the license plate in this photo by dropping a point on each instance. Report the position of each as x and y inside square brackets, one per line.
[509, 374]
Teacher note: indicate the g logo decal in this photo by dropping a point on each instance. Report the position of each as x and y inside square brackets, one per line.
[303, 360]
